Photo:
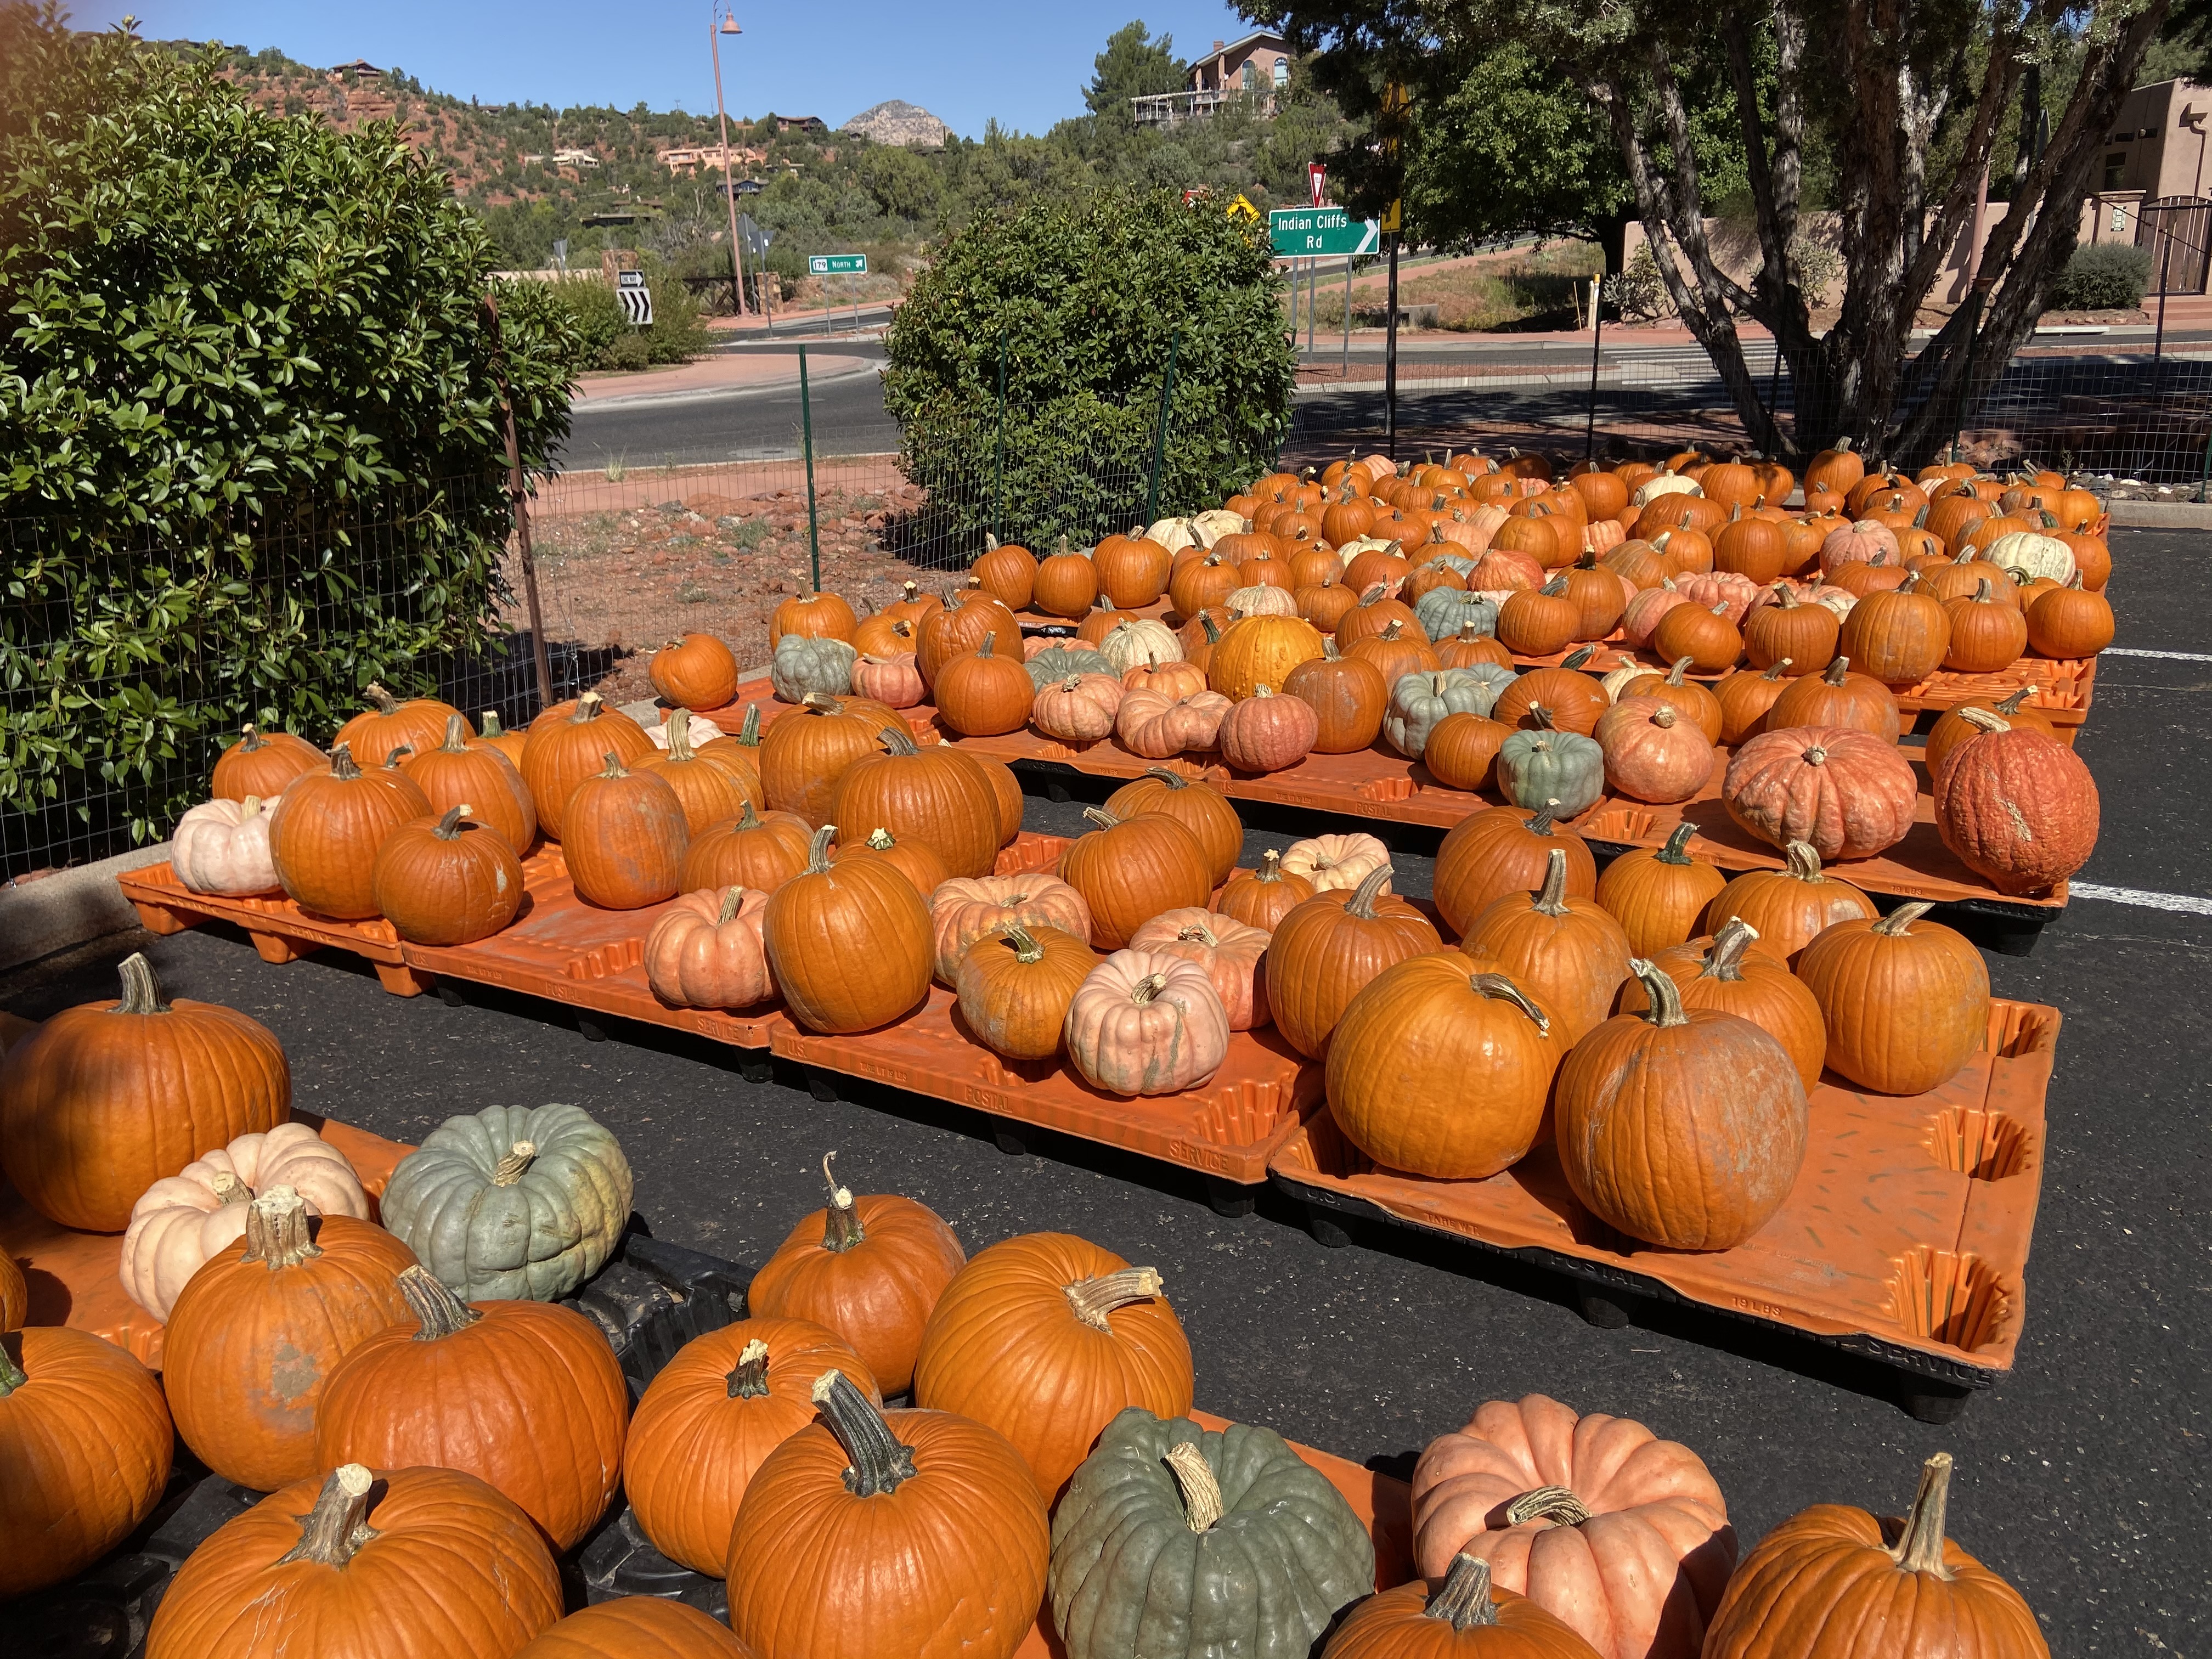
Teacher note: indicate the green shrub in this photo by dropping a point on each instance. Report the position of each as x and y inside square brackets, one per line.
[2102, 277]
[1087, 295]
[250, 446]
[610, 340]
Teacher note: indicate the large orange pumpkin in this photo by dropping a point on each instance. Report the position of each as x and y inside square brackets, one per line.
[1837, 696]
[848, 943]
[1261, 650]
[1015, 987]
[1789, 908]
[325, 829]
[262, 764]
[1723, 972]
[803, 756]
[525, 1396]
[696, 671]
[748, 851]
[1129, 870]
[2019, 807]
[936, 1515]
[1328, 949]
[255, 1333]
[711, 788]
[363, 1564]
[568, 744]
[85, 1445]
[1907, 1000]
[1829, 1584]
[813, 617]
[1623, 1535]
[470, 769]
[1657, 894]
[637, 1627]
[442, 881]
[981, 694]
[107, 1098]
[1008, 572]
[1898, 637]
[1200, 807]
[1499, 851]
[1683, 1128]
[1047, 1338]
[1565, 951]
[934, 795]
[624, 836]
[959, 623]
[1348, 695]
[869, 1269]
[387, 724]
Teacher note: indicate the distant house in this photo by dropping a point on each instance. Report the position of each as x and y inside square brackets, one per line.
[361, 69]
[797, 123]
[575, 158]
[1257, 66]
[2150, 190]
[690, 158]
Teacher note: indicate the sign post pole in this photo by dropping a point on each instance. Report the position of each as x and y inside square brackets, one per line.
[1160, 437]
[806, 435]
[1344, 369]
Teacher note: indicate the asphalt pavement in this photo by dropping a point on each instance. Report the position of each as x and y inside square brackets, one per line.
[747, 422]
[2082, 1477]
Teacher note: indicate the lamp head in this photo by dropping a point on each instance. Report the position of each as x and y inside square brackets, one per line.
[730, 24]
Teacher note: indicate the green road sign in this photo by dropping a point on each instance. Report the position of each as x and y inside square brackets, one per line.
[1295, 232]
[837, 264]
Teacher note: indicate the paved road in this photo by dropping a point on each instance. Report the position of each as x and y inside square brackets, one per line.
[744, 423]
[2083, 1476]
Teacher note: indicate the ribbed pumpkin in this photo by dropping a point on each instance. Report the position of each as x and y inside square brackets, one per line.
[1570, 699]
[1128, 871]
[1133, 570]
[1327, 948]
[1535, 623]
[932, 795]
[1789, 630]
[1263, 898]
[981, 694]
[1233, 955]
[1653, 751]
[962, 911]
[1499, 851]
[222, 846]
[1703, 634]
[1722, 971]
[1682, 1128]
[1151, 724]
[568, 744]
[465, 768]
[705, 951]
[848, 943]
[1790, 907]
[805, 754]
[441, 881]
[387, 724]
[1080, 708]
[1047, 1338]
[1146, 1023]
[85, 1447]
[2070, 621]
[1899, 637]
[1685, 696]
[1561, 772]
[914, 860]
[1008, 572]
[1657, 894]
[1348, 695]
[480, 1387]
[1837, 696]
[869, 1269]
[751, 850]
[1953, 727]
[1198, 806]
[1441, 1065]
[1744, 698]
[958, 624]
[256, 1333]
[1459, 1615]
[1567, 953]
[636, 1627]
[710, 788]
[625, 838]
[1829, 1584]
[1849, 793]
[696, 671]
[104, 1099]
[359, 1564]
[1267, 733]
[1462, 752]
[324, 831]
[1065, 585]
[1261, 649]
[1906, 1002]
[1015, 985]
[709, 1420]
[261, 763]
[2018, 807]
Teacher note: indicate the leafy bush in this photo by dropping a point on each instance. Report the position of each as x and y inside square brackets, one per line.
[2103, 277]
[610, 340]
[250, 444]
[1087, 295]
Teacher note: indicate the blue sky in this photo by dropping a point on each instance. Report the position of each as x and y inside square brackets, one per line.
[1024, 62]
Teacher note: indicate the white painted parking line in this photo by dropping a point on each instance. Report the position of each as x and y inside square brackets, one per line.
[2167, 656]
[2183, 902]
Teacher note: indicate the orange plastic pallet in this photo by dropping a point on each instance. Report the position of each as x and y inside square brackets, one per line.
[280, 930]
[1229, 1128]
[1905, 1238]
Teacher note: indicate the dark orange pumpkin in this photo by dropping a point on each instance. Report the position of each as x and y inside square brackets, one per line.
[471, 769]
[1200, 807]
[805, 754]
[326, 827]
[1326, 950]
[1499, 851]
[1130, 870]
[387, 724]
[1263, 898]
[746, 851]
[1952, 728]
[848, 945]
[958, 624]
[711, 788]
[1348, 695]
[568, 744]
[1065, 585]
[2018, 807]
[1837, 696]
[1567, 952]
[1898, 637]
[637, 1627]
[625, 838]
[261, 764]
[935, 795]
[981, 694]
[1906, 1002]
[1724, 971]
[1787, 630]
[1657, 894]
[441, 881]
[1459, 1616]
[696, 671]
[1745, 697]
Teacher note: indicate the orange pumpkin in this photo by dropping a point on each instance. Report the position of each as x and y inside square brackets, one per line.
[1008, 572]
[2018, 807]
[1200, 807]
[1065, 585]
[1745, 697]
[568, 744]
[388, 724]
[1565, 951]
[933, 796]
[1348, 695]
[803, 756]
[848, 943]
[625, 841]
[1838, 697]
[261, 764]
[981, 694]
[1460, 1616]
[1899, 637]
[1790, 907]
[1722, 971]
[747, 851]
[1906, 1002]
[471, 769]
[959, 623]
[440, 881]
[1128, 871]
[2070, 621]
[696, 671]
[1015, 985]
[1849, 793]
[1953, 727]
[812, 617]
[637, 1627]
[1263, 898]
[1499, 851]
[326, 827]
[1657, 894]
[1328, 948]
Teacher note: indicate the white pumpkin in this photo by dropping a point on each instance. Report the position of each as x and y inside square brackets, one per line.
[1358, 544]
[222, 846]
[701, 730]
[181, 1220]
[1133, 644]
[1217, 522]
[1261, 601]
[1333, 861]
[1612, 682]
[1175, 535]
[1667, 484]
[2035, 553]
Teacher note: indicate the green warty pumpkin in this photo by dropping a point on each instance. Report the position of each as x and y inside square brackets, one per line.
[1445, 611]
[1057, 662]
[803, 664]
[1418, 702]
[1563, 770]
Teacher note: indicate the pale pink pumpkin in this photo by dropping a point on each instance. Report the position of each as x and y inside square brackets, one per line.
[1170, 678]
[965, 909]
[1158, 726]
[1145, 1022]
[1737, 591]
[894, 681]
[183, 1219]
[1622, 1535]
[1868, 540]
[1643, 612]
[222, 846]
[1333, 861]
[1234, 955]
[1268, 731]
[1078, 709]
[705, 950]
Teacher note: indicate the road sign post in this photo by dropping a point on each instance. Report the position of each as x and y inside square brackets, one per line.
[635, 297]
[838, 264]
[1300, 233]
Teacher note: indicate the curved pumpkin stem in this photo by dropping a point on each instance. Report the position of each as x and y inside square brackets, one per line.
[841, 1228]
[1898, 924]
[250, 739]
[1542, 822]
[379, 699]
[448, 828]
[733, 899]
[821, 703]
[337, 1526]
[1724, 958]
[277, 1230]
[1502, 989]
[1463, 1599]
[1553, 1504]
[509, 1170]
[1674, 852]
[1919, 1548]
[1147, 987]
[748, 1380]
[587, 709]
[343, 764]
[818, 849]
[1780, 667]
[1674, 674]
[615, 768]
[1550, 899]
[141, 990]
[1101, 816]
[440, 1312]
[881, 1463]
[1092, 1299]
[1201, 1491]
[1665, 1000]
[1362, 901]
[1837, 670]
[679, 736]
[1172, 779]
[1581, 654]
[1802, 861]
[1984, 719]
[457, 735]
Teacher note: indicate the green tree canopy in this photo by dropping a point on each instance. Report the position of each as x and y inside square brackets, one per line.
[1134, 65]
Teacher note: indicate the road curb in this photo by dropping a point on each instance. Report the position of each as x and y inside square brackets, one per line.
[716, 393]
[69, 908]
[2162, 515]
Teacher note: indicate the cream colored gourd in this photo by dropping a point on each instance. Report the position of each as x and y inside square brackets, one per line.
[2034, 553]
[1145, 1022]
[222, 846]
[1333, 861]
[1133, 644]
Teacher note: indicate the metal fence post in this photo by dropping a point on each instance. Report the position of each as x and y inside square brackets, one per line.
[806, 432]
[519, 495]
[1160, 436]
[2158, 342]
[1966, 385]
[1598, 332]
[1773, 402]
[998, 488]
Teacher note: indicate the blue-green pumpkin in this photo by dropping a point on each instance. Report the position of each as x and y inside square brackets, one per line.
[1057, 662]
[1543, 766]
[1418, 702]
[803, 664]
[1445, 611]
[1173, 1541]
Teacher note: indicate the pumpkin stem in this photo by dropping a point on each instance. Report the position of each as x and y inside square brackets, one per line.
[1026, 948]
[1499, 988]
[1724, 957]
[1463, 1599]
[1270, 866]
[1202, 933]
[822, 703]
[277, 1230]
[1201, 1492]
[250, 739]
[1898, 924]
[1664, 717]
[1172, 779]
[520, 1157]
[1550, 899]
[1092, 1299]
[1553, 1504]
[732, 898]
[1666, 998]
[442, 1313]
[337, 1526]
[818, 850]
[1802, 861]
[1984, 719]
[1362, 901]
[880, 1462]
[748, 1380]
[11, 1374]
[1541, 824]
[1674, 674]
[1147, 987]
[229, 1189]
[1837, 670]
[394, 755]
[749, 734]
[679, 736]
[1580, 655]
[457, 735]
[587, 709]
[879, 841]
[1919, 1548]
[343, 764]
[841, 1228]
[1780, 668]
[379, 699]
[1673, 852]
[1101, 816]
[1540, 718]
[615, 768]
[488, 723]
[1816, 755]
[142, 991]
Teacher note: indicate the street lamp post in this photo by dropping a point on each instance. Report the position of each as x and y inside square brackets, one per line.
[728, 25]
